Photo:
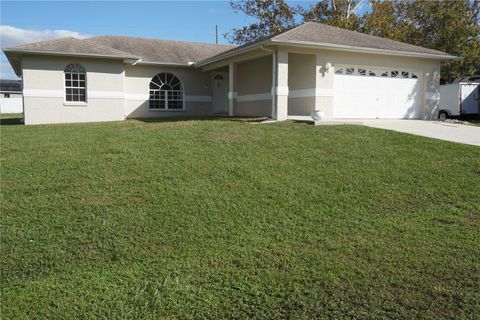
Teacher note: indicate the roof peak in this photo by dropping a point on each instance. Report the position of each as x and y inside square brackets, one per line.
[163, 40]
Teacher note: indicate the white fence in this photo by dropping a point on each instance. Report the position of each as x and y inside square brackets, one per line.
[14, 104]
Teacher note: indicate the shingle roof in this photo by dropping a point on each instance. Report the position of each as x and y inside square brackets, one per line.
[73, 46]
[322, 33]
[183, 53]
[325, 36]
[162, 51]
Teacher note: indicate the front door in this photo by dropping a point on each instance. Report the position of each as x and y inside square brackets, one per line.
[220, 92]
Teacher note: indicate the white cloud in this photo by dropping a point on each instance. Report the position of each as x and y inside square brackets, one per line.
[12, 36]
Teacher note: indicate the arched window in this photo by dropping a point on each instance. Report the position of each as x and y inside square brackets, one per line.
[75, 83]
[166, 92]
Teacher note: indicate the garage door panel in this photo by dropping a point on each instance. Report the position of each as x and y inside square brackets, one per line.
[368, 94]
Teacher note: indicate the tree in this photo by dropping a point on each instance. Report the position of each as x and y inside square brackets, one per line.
[339, 13]
[388, 19]
[274, 16]
[449, 26]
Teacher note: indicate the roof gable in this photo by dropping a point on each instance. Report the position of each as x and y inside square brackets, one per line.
[325, 34]
[71, 46]
[322, 36]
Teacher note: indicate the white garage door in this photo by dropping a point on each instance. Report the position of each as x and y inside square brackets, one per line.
[374, 93]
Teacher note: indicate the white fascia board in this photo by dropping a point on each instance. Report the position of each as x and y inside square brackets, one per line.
[173, 64]
[232, 53]
[68, 54]
[329, 46]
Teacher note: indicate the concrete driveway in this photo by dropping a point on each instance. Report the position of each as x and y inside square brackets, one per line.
[433, 129]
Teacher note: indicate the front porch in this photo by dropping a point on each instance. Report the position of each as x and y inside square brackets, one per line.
[276, 83]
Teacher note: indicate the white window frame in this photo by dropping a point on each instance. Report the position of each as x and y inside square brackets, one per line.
[167, 92]
[74, 103]
[342, 70]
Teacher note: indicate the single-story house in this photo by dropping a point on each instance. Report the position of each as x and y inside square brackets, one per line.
[11, 96]
[343, 73]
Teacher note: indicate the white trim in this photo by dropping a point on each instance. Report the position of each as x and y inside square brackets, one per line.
[105, 94]
[280, 91]
[40, 93]
[312, 92]
[172, 64]
[146, 97]
[232, 95]
[254, 97]
[137, 96]
[75, 104]
[67, 54]
[432, 95]
[318, 92]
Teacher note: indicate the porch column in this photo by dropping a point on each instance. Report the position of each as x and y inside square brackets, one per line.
[280, 86]
[232, 87]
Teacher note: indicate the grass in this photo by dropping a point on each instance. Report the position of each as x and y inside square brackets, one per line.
[218, 218]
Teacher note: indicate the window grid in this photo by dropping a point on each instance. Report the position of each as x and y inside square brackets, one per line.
[166, 93]
[376, 73]
[75, 83]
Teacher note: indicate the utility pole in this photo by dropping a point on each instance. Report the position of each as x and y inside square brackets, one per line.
[216, 34]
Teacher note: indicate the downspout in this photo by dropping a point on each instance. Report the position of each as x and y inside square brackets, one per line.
[274, 78]
[23, 88]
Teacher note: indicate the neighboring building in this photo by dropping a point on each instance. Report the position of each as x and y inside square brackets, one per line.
[460, 98]
[11, 96]
[311, 67]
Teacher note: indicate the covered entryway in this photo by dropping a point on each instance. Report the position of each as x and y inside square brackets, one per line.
[220, 92]
[365, 93]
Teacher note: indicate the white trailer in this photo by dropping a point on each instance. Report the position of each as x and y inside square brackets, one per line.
[460, 98]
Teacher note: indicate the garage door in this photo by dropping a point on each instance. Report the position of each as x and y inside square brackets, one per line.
[374, 93]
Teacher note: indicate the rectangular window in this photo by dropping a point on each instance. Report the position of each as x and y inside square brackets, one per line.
[166, 99]
[75, 87]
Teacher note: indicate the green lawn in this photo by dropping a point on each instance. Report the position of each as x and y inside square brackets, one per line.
[231, 219]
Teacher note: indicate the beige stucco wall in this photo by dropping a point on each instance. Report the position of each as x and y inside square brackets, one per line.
[196, 84]
[301, 81]
[44, 93]
[253, 87]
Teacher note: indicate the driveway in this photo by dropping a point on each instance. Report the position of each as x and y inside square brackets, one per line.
[432, 129]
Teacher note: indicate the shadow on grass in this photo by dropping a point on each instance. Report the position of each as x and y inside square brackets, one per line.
[307, 122]
[11, 120]
[204, 118]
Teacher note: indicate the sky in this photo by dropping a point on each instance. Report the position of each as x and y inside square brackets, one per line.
[30, 21]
